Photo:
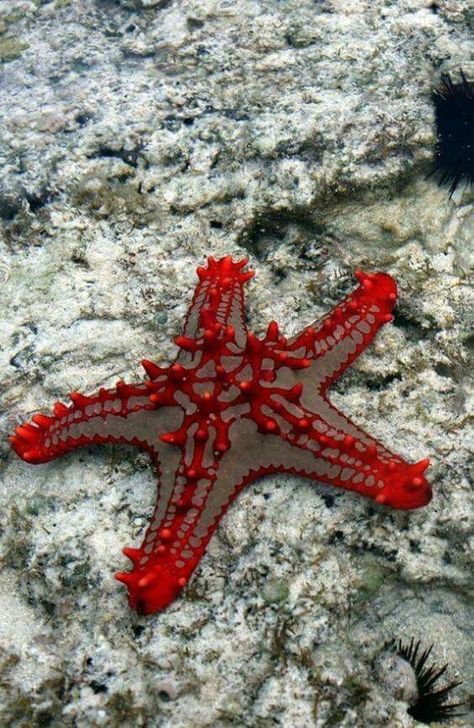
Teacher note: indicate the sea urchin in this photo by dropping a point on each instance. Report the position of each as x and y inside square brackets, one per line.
[454, 150]
[430, 705]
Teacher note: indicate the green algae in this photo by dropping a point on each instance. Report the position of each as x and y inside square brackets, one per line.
[41, 707]
[39, 503]
[18, 548]
[104, 197]
[10, 49]
[370, 579]
[275, 590]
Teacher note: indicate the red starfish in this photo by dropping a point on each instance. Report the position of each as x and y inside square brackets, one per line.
[231, 408]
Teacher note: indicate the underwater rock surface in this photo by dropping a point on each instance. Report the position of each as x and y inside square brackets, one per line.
[139, 136]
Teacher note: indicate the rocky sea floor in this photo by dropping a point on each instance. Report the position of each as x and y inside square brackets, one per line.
[138, 137]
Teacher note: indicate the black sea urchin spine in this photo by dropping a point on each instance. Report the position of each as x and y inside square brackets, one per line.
[430, 705]
[454, 113]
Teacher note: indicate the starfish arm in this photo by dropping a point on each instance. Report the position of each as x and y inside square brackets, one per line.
[338, 454]
[217, 305]
[158, 572]
[177, 536]
[120, 415]
[344, 455]
[358, 464]
[333, 342]
[333, 424]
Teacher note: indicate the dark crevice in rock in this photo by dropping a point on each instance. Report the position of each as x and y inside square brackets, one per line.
[375, 383]
[412, 328]
[129, 156]
[10, 205]
[98, 687]
[266, 229]
[14, 201]
[38, 199]
[82, 119]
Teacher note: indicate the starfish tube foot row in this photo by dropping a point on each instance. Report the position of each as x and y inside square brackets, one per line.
[231, 408]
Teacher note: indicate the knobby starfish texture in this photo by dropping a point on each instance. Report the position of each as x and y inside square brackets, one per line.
[231, 408]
